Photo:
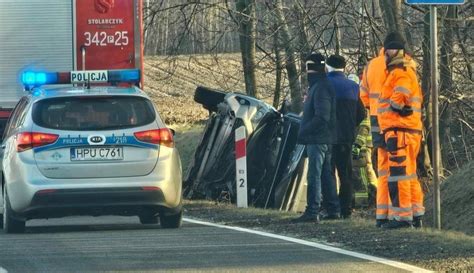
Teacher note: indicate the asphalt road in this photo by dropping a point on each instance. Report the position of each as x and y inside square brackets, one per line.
[88, 244]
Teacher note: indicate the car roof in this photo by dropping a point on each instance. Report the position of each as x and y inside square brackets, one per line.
[55, 92]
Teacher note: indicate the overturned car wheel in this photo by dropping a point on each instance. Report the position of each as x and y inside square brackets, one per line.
[209, 98]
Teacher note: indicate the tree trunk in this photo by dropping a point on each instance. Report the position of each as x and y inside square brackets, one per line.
[337, 42]
[392, 15]
[304, 47]
[446, 80]
[247, 34]
[376, 15]
[278, 71]
[408, 30]
[425, 152]
[290, 63]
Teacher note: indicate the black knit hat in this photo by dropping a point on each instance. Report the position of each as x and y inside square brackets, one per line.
[394, 40]
[336, 61]
[315, 62]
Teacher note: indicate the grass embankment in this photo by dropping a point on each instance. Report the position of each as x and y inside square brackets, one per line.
[171, 84]
[428, 248]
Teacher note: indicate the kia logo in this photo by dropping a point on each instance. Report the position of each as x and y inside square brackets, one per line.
[103, 6]
[96, 139]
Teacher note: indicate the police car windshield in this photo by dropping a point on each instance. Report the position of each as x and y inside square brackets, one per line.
[93, 113]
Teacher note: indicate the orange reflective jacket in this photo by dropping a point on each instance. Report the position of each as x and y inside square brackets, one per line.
[373, 79]
[400, 92]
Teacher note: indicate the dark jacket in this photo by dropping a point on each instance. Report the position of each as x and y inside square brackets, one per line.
[350, 110]
[318, 125]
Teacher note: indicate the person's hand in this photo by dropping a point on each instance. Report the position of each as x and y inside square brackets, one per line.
[355, 151]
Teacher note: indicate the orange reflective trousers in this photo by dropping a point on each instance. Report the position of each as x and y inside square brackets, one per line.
[406, 195]
[383, 201]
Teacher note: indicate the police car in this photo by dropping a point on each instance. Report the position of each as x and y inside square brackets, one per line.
[88, 150]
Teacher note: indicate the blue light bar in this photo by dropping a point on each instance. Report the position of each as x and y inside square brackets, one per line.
[32, 79]
[124, 75]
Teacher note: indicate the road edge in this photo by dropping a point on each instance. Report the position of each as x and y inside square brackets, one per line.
[388, 262]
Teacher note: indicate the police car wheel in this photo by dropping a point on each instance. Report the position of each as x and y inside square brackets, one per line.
[209, 98]
[10, 225]
[171, 221]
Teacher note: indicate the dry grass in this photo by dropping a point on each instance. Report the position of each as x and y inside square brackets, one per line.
[457, 201]
[171, 81]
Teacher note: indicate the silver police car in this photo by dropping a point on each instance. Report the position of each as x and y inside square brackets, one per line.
[99, 150]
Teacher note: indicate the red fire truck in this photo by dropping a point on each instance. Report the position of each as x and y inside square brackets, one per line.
[65, 35]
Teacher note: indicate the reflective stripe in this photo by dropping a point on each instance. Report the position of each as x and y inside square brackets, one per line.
[382, 110]
[418, 210]
[383, 172]
[397, 209]
[363, 89]
[380, 206]
[403, 218]
[396, 105]
[402, 89]
[419, 213]
[401, 178]
[374, 95]
[417, 206]
[416, 99]
[384, 101]
[381, 216]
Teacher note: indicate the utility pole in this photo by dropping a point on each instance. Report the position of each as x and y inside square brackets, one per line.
[436, 153]
[435, 114]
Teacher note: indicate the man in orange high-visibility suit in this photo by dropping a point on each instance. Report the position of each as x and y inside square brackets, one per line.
[399, 117]
[373, 79]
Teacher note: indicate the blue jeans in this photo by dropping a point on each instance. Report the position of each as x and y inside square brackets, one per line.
[320, 179]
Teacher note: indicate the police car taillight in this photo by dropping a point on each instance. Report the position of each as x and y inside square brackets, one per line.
[28, 140]
[161, 136]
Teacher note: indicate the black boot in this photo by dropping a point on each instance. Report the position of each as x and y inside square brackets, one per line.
[394, 224]
[417, 222]
[380, 222]
[306, 217]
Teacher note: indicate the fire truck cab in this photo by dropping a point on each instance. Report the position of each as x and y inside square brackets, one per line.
[65, 35]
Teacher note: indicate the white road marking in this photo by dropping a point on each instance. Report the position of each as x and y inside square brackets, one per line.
[3, 270]
[396, 264]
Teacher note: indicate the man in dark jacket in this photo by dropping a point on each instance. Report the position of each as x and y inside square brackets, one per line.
[350, 112]
[318, 131]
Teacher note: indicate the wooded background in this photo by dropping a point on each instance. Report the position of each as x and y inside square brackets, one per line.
[281, 33]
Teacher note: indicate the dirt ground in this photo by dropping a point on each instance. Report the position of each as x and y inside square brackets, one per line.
[171, 84]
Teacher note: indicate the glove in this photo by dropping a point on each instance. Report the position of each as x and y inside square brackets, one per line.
[355, 151]
[405, 111]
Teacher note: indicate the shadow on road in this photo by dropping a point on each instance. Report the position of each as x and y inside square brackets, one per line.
[86, 223]
[80, 228]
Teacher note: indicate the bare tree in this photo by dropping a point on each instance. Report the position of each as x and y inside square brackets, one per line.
[392, 15]
[290, 63]
[246, 14]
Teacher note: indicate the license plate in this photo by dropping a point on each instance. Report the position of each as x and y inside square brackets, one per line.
[93, 76]
[96, 153]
